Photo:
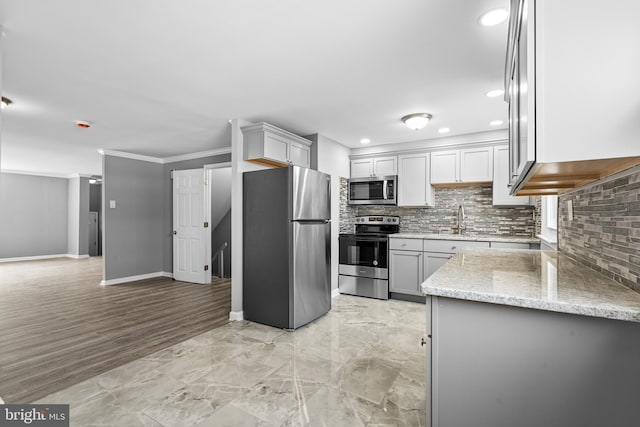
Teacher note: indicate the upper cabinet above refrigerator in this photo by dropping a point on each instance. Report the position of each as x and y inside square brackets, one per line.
[573, 92]
[270, 145]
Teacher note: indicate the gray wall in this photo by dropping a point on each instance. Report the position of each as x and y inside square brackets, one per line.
[33, 215]
[78, 216]
[604, 233]
[167, 228]
[133, 231]
[95, 205]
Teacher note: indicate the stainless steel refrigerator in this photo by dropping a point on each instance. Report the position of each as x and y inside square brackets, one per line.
[286, 246]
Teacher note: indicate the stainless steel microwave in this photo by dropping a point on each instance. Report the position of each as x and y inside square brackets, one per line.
[375, 190]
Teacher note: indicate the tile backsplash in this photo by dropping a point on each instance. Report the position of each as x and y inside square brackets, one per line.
[604, 233]
[481, 216]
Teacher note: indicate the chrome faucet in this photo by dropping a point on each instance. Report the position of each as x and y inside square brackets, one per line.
[460, 227]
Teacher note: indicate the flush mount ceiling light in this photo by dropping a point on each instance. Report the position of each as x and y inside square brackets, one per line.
[5, 102]
[493, 17]
[416, 121]
[365, 141]
[495, 93]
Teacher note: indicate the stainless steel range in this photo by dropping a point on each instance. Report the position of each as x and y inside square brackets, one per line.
[364, 268]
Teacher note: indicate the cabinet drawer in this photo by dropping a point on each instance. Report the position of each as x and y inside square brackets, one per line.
[509, 245]
[452, 246]
[405, 244]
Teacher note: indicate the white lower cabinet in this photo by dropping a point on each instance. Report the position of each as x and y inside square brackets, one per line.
[433, 261]
[412, 261]
[405, 272]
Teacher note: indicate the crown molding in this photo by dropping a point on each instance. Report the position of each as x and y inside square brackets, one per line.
[124, 154]
[46, 174]
[198, 155]
[165, 160]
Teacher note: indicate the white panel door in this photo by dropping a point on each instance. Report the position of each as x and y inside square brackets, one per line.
[189, 232]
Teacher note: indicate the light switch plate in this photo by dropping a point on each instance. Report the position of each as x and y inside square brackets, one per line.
[112, 204]
[570, 210]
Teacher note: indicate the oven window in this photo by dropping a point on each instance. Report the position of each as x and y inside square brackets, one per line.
[370, 253]
[368, 190]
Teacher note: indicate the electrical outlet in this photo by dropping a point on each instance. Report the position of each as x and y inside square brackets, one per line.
[112, 204]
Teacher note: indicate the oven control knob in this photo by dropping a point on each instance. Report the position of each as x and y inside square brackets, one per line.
[375, 262]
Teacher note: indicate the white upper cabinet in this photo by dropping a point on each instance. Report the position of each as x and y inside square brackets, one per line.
[572, 88]
[414, 185]
[445, 167]
[267, 144]
[476, 164]
[361, 168]
[501, 189]
[384, 166]
[468, 165]
[374, 166]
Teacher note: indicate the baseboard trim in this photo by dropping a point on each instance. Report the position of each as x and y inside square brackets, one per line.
[335, 292]
[166, 274]
[236, 316]
[131, 278]
[32, 258]
[74, 256]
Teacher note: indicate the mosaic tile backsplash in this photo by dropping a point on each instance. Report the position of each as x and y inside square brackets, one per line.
[604, 233]
[481, 216]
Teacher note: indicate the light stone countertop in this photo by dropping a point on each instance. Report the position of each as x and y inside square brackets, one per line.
[543, 280]
[471, 237]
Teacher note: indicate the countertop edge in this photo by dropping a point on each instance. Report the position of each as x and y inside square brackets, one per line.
[554, 306]
[431, 236]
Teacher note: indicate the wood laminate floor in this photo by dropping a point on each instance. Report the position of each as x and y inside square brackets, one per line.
[58, 326]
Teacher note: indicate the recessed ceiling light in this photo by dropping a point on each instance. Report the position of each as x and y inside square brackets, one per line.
[416, 121]
[5, 102]
[493, 17]
[443, 130]
[495, 93]
[496, 123]
[365, 141]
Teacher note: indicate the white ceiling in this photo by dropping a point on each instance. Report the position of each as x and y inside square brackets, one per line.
[162, 78]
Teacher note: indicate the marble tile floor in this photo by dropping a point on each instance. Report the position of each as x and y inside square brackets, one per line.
[359, 365]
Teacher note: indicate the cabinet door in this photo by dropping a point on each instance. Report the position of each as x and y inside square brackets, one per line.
[433, 261]
[384, 166]
[276, 148]
[501, 195]
[414, 180]
[361, 168]
[405, 272]
[476, 164]
[299, 154]
[523, 96]
[445, 167]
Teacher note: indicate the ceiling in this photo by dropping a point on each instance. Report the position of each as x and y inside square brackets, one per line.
[162, 78]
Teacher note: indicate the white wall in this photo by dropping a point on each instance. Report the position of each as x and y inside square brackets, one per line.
[333, 159]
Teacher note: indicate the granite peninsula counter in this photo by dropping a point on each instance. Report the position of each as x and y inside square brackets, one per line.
[529, 338]
[543, 280]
